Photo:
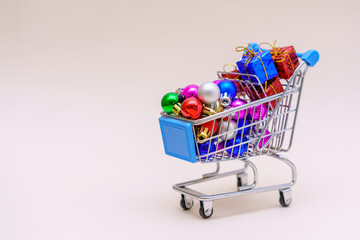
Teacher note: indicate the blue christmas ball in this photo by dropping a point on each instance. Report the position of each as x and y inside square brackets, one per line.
[235, 150]
[244, 122]
[227, 87]
[204, 148]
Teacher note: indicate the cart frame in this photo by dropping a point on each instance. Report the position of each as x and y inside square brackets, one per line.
[293, 87]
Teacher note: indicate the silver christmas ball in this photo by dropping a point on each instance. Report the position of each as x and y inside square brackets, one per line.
[178, 91]
[209, 92]
[228, 126]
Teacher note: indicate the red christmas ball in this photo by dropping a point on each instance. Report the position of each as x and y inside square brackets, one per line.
[206, 130]
[209, 125]
[191, 108]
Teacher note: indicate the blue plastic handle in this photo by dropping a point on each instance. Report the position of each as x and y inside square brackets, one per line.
[254, 46]
[310, 57]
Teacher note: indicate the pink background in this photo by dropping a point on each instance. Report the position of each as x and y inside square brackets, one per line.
[81, 155]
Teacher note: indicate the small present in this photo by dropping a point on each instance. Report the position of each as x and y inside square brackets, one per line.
[286, 61]
[260, 64]
[271, 87]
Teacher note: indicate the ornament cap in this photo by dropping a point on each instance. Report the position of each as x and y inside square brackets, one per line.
[225, 100]
[177, 109]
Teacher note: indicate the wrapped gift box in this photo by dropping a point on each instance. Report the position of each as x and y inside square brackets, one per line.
[260, 64]
[286, 61]
[271, 87]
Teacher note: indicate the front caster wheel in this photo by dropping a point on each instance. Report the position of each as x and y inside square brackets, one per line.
[206, 209]
[285, 197]
[186, 203]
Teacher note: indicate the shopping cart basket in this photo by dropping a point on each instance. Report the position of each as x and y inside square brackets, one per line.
[269, 135]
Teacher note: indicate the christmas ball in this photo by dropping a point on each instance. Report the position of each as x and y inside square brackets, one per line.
[258, 112]
[264, 139]
[239, 150]
[178, 91]
[236, 103]
[219, 144]
[244, 123]
[209, 93]
[190, 91]
[228, 127]
[228, 92]
[205, 148]
[191, 108]
[207, 130]
[168, 101]
[217, 81]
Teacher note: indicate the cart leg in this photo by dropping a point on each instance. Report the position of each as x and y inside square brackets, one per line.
[285, 197]
[186, 202]
[242, 180]
[212, 174]
[206, 210]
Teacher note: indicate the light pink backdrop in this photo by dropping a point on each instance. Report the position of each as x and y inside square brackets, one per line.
[81, 155]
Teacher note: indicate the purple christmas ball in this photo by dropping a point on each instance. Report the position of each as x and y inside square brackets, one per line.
[236, 103]
[264, 139]
[190, 91]
[258, 112]
[216, 81]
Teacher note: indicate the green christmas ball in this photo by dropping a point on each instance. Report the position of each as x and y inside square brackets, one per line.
[168, 101]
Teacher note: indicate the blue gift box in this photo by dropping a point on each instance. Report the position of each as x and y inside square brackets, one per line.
[260, 64]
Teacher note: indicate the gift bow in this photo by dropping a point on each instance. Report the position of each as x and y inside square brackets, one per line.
[250, 54]
[276, 52]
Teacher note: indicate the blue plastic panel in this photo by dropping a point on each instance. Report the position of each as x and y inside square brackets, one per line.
[178, 139]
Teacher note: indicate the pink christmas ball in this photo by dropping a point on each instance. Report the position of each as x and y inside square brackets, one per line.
[236, 103]
[216, 81]
[264, 139]
[258, 112]
[190, 91]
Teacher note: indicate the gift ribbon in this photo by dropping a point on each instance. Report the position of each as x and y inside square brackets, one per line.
[276, 53]
[250, 54]
[266, 87]
[229, 64]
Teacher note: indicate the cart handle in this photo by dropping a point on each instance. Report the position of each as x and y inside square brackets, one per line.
[310, 57]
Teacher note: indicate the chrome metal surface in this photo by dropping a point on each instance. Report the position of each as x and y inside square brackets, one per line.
[188, 201]
[207, 205]
[286, 194]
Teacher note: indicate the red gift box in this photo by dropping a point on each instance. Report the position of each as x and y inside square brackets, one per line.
[285, 60]
[271, 87]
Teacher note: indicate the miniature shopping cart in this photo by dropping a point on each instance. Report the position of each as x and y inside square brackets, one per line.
[269, 136]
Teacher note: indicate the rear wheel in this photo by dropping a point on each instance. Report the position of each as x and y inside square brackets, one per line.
[186, 203]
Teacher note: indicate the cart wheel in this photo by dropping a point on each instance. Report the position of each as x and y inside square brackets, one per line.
[285, 197]
[242, 180]
[206, 209]
[186, 203]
